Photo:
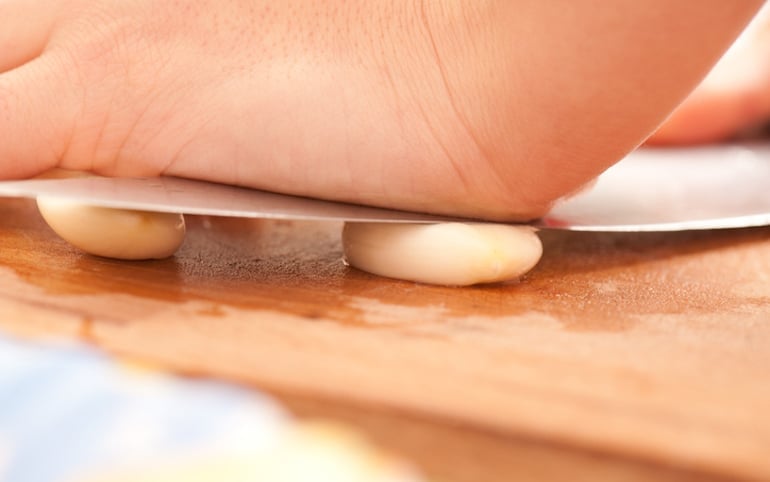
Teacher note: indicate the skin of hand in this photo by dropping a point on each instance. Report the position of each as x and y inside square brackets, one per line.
[491, 109]
[733, 98]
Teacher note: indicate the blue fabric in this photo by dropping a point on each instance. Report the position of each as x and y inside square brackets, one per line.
[67, 410]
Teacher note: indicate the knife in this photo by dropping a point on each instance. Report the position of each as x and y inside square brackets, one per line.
[725, 186]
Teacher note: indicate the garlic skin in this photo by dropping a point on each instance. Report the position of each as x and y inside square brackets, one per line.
[114, 233]
[453, 254]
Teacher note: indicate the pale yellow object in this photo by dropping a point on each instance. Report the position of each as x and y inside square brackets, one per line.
[456, 254]
[309, 453]
[114, 233]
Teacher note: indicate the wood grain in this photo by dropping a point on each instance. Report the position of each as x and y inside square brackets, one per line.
[620, 357]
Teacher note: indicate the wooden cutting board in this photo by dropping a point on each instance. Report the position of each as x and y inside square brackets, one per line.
[620, 357]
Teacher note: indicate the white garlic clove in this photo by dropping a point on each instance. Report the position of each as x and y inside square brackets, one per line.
[114, 233]
[454, 254]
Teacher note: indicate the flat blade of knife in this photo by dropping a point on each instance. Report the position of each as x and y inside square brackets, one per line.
[651, 190]
[177, 195]
[675, 189]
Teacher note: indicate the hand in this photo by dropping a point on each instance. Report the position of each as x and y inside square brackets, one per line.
[492, 108]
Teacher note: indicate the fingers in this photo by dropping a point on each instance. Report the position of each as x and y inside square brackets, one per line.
[734, 97]
[24, 30]
[709, 116]
[36, 113]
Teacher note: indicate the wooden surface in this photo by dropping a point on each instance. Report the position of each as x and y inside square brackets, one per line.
[620, 357]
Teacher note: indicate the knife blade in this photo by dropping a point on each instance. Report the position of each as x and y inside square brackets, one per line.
[674, 189]
[187, 196]
[650, 190]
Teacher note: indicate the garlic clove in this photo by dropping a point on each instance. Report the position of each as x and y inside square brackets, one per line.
[456, 254]
[114, 233]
